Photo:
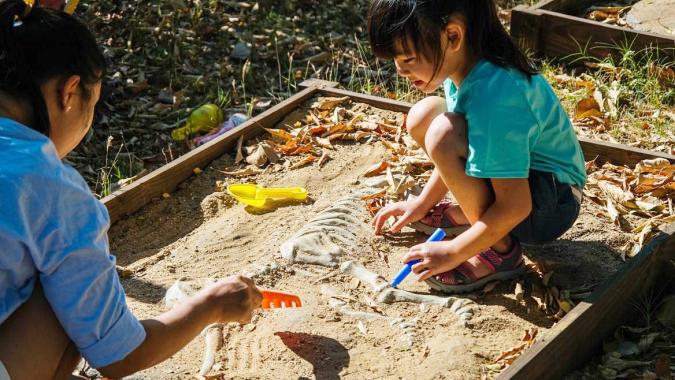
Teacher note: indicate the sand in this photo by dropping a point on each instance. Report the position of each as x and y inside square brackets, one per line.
[200, 232]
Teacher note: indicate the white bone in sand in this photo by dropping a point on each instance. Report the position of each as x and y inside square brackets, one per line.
[386, 294]
[336, 302]
[180, 291]
[317, 241]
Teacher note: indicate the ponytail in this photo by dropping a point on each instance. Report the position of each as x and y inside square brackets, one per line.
[38, 44]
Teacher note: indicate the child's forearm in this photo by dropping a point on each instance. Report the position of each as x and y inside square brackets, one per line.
[497, 222]
[433, 191]
[165, 335]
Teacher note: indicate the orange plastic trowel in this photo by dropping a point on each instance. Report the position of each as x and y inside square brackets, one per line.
[277, 300]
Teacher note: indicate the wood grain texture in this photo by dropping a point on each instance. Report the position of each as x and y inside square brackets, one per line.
[546, 29]
[578, 336]
[165, 179]
[618, 154]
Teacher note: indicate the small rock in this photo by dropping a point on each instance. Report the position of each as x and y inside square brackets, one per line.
[166, 96]
[241, 51]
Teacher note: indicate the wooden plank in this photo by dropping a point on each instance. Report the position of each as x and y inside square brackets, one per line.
[375, 101]
[570, 7]
[618, 154]
[526, 29]
[578, 336]
[565, 36]
[166, 179]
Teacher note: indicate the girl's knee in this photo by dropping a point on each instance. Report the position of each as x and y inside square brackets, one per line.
[447, 133]
[423, 112]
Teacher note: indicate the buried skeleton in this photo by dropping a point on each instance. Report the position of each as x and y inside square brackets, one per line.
[319, 243]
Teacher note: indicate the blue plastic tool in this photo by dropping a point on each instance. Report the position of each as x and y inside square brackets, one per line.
[438, 235]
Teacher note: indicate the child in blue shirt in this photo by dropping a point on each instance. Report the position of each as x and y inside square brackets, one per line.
[500, 141]
[60, 295]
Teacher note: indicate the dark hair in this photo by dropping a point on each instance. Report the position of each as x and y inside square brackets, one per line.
[38, 44]
[394, 24]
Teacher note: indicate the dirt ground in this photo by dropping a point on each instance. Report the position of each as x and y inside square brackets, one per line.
[199, 233]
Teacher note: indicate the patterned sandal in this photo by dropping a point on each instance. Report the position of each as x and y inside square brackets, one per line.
[437, 218]
[463, 280]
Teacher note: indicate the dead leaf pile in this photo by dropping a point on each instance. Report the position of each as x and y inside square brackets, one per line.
[539, 291]
[638, 200]
[599, 107]
[506, 358]
[613, 15]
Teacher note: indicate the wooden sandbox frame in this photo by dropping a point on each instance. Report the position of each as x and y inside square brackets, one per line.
[547, 29]
[561, 351]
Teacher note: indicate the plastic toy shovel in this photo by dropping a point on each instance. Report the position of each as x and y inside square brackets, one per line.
[438, 235]
[256, 196]
[276, 300]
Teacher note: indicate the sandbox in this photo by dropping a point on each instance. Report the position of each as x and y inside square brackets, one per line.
[184, 226]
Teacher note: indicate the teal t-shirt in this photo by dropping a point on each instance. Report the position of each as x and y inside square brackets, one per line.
[515, 125]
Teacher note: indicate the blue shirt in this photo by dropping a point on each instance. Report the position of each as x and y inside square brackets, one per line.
[54, 230]
[514, 125]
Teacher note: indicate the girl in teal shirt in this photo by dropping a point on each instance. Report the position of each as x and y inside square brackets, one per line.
[500, 141]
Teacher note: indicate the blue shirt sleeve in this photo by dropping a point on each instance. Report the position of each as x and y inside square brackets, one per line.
[79, 276]
[59, 224]
[502, 128]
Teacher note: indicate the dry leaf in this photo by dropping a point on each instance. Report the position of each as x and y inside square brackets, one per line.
[376, 169]
[587, 107]
[327, 104]
[280, 134]
[263, 153]
[248, 171]
[307, 160]
[324, 158]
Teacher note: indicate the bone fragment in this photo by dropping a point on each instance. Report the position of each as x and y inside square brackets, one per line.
[385, 293]
[180, 291]
[213, 339]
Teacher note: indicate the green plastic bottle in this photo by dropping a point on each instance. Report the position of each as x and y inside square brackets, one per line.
[202, 120]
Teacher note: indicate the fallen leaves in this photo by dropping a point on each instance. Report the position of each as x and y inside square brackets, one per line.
[506, 358]
[643, 194]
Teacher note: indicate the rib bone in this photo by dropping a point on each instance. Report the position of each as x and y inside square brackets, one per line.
[317, 241]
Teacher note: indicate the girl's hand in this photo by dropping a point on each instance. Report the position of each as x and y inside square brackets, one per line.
[437, 257]
[234, 299]
[408, 211]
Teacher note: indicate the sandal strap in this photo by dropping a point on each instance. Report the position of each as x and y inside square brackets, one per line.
[435, 217]
[460, 275]
[500, 262]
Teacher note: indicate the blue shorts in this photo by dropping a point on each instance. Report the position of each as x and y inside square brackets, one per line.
[555, 208]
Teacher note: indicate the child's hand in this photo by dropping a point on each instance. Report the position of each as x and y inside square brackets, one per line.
[409, 212]
[234, 299]
[437, 257]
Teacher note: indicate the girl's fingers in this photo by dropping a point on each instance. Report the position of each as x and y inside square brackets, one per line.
[401, 222]
[379, 220]
[413, 255]
[421, 267]
[425, 275]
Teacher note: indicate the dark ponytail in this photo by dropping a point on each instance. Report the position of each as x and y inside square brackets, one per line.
[416, 25]
[38, 44]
